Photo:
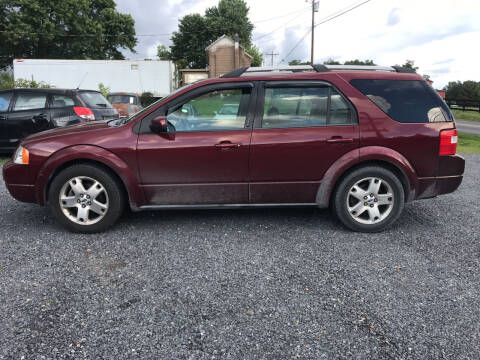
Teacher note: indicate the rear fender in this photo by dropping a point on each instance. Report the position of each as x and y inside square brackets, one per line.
[92, 154]
[365, 155]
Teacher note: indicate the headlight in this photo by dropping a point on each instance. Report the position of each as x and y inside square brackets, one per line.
[21, 156]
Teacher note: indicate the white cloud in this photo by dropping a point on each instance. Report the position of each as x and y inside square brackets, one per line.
[387, 31]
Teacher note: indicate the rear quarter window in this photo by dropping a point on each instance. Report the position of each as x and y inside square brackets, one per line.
[406, 101]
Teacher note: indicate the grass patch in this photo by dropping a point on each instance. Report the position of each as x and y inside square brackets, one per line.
[3, 160]
[466, 115]
[468, 143]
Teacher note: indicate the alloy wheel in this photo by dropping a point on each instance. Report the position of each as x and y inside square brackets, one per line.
[370, 200]
[84, 200]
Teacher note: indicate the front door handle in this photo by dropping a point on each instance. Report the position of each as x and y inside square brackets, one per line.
[3, 118]
[339, 140]
[226, 145]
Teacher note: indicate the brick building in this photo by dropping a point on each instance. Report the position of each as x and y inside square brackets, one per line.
[223, 55]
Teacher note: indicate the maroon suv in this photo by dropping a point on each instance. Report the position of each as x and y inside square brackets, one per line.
[362, 141]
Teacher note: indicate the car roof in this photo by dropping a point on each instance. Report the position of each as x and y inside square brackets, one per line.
[50, 90]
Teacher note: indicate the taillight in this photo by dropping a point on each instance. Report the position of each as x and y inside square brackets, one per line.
[448, 142]
[84, 113]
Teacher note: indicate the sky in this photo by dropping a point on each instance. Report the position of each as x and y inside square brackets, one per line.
[441, 36]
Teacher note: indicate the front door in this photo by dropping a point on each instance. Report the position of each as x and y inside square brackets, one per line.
[29, 115]
[5, 100]
[203, 159]
[301, 131]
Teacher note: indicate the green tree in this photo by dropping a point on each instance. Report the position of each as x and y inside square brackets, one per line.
[230, 17]
[190, 41]
[467, 90]
[67, 29]
[255, 52]
[196, 32]
[163, 53]
[298, 62]
[360, 62]
[7, 82]
[410, 64]
[103, 89]
[330, 61]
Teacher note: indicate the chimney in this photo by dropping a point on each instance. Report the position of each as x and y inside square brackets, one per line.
[236, 53]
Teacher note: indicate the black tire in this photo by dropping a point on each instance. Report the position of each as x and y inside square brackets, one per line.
[341, 199]
[112, 189]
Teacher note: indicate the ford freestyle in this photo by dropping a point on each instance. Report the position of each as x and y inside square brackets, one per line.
[360, 140]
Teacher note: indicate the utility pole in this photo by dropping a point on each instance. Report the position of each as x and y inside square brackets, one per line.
[272, 54]
[315, 6]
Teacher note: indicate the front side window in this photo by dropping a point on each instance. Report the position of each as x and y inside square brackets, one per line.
[5, 101]
[215, 110]
[405, 101]
[30, 101]
[59, 101]
[304, 107]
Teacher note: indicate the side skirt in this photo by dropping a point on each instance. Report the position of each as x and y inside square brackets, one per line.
[223, 206]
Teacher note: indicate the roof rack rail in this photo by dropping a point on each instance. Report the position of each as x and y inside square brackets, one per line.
[252, 71]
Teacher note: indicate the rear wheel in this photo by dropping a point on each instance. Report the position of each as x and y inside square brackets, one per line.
[369, 199]
[86, 198]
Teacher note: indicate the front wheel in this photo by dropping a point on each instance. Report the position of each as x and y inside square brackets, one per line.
[369, 199]
[86, 198]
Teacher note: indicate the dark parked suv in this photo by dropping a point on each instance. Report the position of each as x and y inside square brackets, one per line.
[27, 111]
[362, 141]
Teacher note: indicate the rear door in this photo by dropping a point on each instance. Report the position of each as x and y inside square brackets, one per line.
[300, 130]
[203, 159]
[29, 114]
[5, 101]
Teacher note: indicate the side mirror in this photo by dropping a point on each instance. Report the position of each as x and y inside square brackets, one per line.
[159, 124]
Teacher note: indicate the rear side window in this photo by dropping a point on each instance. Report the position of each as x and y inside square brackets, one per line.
[59, 101]
[405, 101]
[30, 101]
[5, 101]
[95, 100]
[304, 107]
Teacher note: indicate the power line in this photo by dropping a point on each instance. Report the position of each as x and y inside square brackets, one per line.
[280, 27]
[327, 19]
[281, 16]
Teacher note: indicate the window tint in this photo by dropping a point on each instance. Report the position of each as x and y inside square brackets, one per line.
[303, 107]
[95, 100]
[405, 101]
[59, 101]
[216, 110]
[5, 101]
[30, 101]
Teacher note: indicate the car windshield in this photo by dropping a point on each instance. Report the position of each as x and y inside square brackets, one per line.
[95, 99]
[127, 120]
[122, 99]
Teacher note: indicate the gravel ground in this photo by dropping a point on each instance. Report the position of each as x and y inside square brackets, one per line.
[244, 284]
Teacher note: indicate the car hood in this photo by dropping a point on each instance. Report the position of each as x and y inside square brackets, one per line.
[68, 130]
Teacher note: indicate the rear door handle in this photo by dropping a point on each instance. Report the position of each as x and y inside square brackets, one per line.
[339, 140]
[226, 145]
[2, 118]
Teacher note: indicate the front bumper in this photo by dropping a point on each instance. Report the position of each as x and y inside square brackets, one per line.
[14, 175]
[450, 176]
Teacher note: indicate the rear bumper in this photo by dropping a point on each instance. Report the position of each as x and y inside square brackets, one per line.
[13, 175]
[450, 176]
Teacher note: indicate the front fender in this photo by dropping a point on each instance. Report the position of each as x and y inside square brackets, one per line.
[94, 154]
[359, 156]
